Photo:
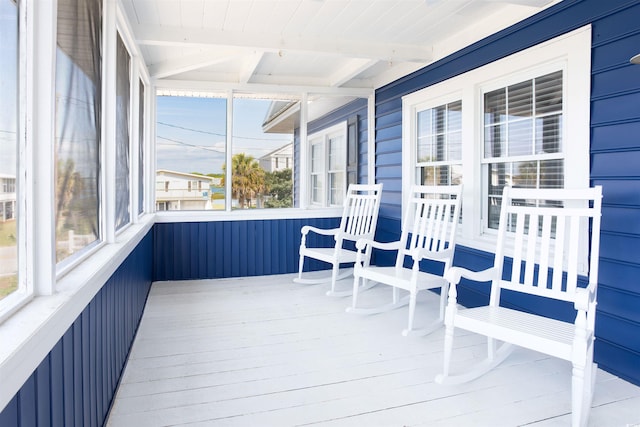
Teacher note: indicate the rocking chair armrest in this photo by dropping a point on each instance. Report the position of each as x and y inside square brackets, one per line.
[325, 231]
[434, 255]
[454, 274]
[585, 297]
[390, 246]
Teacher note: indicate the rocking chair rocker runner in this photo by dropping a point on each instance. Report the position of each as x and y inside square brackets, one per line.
[428, 232]
[549, 229]
[359, 219]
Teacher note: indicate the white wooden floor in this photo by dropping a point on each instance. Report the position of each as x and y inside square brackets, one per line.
[264, 351]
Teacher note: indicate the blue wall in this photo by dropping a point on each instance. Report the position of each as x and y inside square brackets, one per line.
[615, 156]
[208, 250]
[357, 108]
[75, 383]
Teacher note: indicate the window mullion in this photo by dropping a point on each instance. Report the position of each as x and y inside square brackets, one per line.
[134, 125]
[40, 130]
[229, 153]
[108, 146]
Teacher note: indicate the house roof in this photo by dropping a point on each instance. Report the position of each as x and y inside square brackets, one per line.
[339, 47]
[286, 149]
[177, 174]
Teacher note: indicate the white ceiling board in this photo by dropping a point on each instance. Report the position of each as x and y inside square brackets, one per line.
[279, 14]
[395, 21]
[169, 12]
[192, 13]
[303, 14]
[142, 11]
[319, 24]
[319, 44]
[236, 17]
[422, 29]
[340, 25]
[214, 14]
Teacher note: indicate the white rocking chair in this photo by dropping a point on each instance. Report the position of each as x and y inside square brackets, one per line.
[359, 219]
[428, 232]
[549, 233]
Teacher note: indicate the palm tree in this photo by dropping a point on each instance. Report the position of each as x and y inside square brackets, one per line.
[247, 178]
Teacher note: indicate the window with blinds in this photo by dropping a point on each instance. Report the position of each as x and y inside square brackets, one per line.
[523, 138]
[439, 145]
[521, 121]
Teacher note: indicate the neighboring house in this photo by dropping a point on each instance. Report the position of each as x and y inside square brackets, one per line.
[7, 197]
[180, 191]
[279, 159]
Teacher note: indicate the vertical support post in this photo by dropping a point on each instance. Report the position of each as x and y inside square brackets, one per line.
[304, 152]
[150, 146]
[371, 139]
[108, 144]
[40, 102]
[228, 153]
[134, 124]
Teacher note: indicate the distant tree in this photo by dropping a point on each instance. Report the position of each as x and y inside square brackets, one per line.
[247, 178]
[279, 189]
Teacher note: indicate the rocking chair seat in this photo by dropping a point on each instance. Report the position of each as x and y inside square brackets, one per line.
[346, 256]
[403, 277]
[519, 328]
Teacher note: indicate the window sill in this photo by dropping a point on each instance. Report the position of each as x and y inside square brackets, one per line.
[32, 331]
[247, 214]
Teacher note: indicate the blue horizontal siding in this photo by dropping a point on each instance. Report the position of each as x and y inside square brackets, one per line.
[75, 383]
[359, 108]
[233, 248]
[615, 155]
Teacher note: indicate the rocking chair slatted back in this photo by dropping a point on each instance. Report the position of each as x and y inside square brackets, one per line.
[549, 239]
[431, 224]
[360, 212]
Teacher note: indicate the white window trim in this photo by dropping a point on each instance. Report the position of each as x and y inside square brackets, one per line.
[24, 292]
[30, 327]
[322, 137]
[320, 142]
[570, 52]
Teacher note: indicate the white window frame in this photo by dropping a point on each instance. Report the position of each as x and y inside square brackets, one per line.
[23, 181]
[317, 142]
[323, 137]
[429, 104]
[570, 53]
[30, 327]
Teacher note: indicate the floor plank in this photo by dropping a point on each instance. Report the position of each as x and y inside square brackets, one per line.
[264, 351]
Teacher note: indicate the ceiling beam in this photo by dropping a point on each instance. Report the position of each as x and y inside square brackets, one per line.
[218, 87]
[532, 3]
[191, 62]
[350, 70]
[178, 36]
[249, 67]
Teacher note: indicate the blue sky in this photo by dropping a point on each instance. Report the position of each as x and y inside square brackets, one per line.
[191, 132]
